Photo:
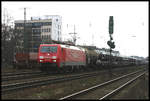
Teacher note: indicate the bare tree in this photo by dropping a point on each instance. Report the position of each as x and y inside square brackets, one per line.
[10, 40]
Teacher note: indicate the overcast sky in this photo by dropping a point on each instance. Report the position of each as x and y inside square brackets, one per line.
[130, 22]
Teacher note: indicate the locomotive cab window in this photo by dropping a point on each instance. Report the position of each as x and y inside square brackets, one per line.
[50, 49]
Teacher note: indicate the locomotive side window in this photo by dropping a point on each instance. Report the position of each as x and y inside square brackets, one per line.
[51, 49]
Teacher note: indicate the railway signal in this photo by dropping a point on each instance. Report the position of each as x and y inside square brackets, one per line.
[110, 43]
[111, 25]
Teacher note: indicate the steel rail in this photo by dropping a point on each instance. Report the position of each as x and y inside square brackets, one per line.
[121, 87]
[23, 73]
[17, 86]
[11, 74]
[100, 85]
[22, 76]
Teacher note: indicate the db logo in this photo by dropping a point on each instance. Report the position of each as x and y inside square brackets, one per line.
[74, 54]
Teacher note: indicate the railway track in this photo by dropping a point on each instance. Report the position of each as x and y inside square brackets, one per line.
[17, 86]
[103, 89]
[35, 83]
[20, 73]
[115, 91]
[19, 76]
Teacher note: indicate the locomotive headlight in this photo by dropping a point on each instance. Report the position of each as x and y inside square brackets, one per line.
[54, 60]
[41, 57]
[54, 57]
[41, 60]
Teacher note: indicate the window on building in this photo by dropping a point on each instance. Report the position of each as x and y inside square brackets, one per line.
[37, 24]
[49, 23]
[49, 30]
[58, 33]
[38, 30]
[40, 23]
[27, 24]
[44, 24]
[16, 25]
[20, 25]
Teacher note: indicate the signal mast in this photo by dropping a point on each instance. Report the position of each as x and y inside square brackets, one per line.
[110, 43]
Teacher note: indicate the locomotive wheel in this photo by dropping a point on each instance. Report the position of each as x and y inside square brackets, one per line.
[60, 71]
[81, 68]
[70, 69]
[63, 70]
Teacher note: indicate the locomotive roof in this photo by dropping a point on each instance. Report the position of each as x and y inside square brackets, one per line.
[72, 47]
[68, 46]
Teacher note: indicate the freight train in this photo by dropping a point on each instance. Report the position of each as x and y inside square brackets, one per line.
[58, 57]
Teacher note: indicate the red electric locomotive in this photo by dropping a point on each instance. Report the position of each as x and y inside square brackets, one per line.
[60, 57]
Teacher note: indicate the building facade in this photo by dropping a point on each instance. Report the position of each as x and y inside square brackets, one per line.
[41, 30]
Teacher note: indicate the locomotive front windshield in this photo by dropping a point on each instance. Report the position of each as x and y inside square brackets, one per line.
[49, 49]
